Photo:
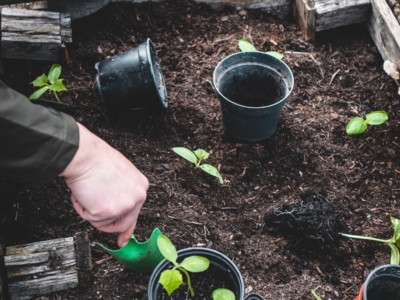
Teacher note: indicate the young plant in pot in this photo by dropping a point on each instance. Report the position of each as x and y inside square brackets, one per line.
[195, 273]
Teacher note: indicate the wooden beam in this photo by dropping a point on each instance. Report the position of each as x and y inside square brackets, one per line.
[3, 276]
[305, 15]
[385, 31]
[48, 266]
[334, 13]
[33, 34]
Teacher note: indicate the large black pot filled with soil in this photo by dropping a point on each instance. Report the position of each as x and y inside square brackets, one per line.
[222, 273]
[252, 88]
[133, 80]
[382, 284]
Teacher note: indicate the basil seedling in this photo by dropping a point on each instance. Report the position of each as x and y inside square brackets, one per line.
[358, 125]
[51, 82]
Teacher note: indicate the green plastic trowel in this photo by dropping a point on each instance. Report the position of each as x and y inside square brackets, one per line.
[139, 257]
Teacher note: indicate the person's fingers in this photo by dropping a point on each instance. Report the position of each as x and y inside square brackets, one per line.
[122, 224]
[124, 237]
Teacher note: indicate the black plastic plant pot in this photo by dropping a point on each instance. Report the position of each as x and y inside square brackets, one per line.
[252, 88]
[382, 283]
[221, 268]
[133, 80]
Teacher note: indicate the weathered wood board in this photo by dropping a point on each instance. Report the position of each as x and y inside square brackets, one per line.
[385, 31]
[33, 34]
[49, 266]
[317, 15]
[40, 5]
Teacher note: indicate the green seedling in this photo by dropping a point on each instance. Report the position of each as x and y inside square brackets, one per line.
[315, 295]
[393, 243]
[51, 83]
[358, 125]
[223, 294]
[246, 46]
[196, 157]
[171, 279]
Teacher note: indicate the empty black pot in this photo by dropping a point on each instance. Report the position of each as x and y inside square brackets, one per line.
[252, 88]
[382, 284]
[133, 80]
[222, 263]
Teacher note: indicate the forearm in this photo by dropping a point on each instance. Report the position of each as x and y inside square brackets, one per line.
[36, 144]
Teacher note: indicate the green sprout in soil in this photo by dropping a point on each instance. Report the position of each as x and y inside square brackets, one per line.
[246, 46]
[172, 279]
[223, 294]
[196, 157]
[393, 243]
[51, 82]
[315, 295]
[358, 125]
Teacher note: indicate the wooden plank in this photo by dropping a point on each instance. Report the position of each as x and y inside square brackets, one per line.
[66, 30]
[385, 31]
[26, 259]
[305, 14]
[27, 13]
[30, 27]
[40, 246]
[27, 289]
[3, 276]
[41, 5]
[335, 13]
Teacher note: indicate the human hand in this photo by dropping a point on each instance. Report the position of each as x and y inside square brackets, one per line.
[107, 189]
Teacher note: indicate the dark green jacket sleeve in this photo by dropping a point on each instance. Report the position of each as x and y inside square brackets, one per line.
[36, 143]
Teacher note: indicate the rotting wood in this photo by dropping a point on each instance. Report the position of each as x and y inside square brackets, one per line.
[385, 31]
[83, 259]
[305, 15]
[33, 34]
[48, 266]
[40, 5]
[318, 15]
[3, 276]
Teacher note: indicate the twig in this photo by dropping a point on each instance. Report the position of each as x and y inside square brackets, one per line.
[222, 40]
[302, 53]
[333, 76]
[186, 221]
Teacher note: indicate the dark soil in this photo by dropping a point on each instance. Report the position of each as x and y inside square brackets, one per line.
[336, 78]
[385, 288]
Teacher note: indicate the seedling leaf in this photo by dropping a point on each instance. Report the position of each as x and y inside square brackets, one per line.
[212, 171]
[167, 249]
[38, 93]
[58, 86]
[201, 154]
[170, 280]
[377, 117]
[195, 264]
[276, 54]
[315, 295]
[40, 81]
[356, 126]
[246, 46]
[54, 73]
[186, 154]
[223, 294]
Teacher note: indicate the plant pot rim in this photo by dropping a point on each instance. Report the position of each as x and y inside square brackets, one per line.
[248, 55]
[203, 250]
[371, 275]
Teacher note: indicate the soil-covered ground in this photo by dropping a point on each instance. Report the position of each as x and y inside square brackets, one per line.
[309, 169]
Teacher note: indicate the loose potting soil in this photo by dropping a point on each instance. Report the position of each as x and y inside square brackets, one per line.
[384, 288]
[336, 78]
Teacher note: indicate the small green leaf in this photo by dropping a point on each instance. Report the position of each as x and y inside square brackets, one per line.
[186, 154]
[212, 171]
[276, 54]
[170, 280]
[195, 264]
[167, 249]
[58, 86]
[356, 126]
[38, 93]
[223, 294]
[245, 46]
[315, 295]
[377, 117]
[40, 81]
[54, 73]
[201, 154]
